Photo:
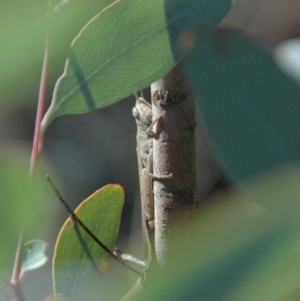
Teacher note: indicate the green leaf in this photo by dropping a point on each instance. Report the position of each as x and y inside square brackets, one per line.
[272, 188]
[125, 48]
[79, 262]
[251, 109]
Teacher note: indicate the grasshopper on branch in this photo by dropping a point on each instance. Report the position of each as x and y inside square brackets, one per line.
[142, 113]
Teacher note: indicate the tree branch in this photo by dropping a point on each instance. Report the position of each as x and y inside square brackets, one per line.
[174, 172]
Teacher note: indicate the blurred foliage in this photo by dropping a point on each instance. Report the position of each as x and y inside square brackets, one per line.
[244, 246]
[250, 107]
[239, 249]
[23, 40]
[24, 203]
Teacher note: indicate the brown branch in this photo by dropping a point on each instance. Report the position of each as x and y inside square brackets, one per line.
[15, 278]
[38, 135]
[174, 171]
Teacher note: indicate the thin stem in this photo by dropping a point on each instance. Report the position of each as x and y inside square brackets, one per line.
[15, 281]
[38, 139]
[18, 261]
[87, 230]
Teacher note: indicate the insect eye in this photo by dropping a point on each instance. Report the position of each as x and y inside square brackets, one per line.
[135, 112]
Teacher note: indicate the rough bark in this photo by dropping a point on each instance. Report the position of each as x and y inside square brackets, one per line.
[174, 174]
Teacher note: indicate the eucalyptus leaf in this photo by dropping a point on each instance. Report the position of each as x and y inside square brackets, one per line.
[79, 262]
[250, 107]
[125, 48]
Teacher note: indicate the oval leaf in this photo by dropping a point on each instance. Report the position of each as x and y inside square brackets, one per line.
[250, 107]
[79, 262]
[125, 48]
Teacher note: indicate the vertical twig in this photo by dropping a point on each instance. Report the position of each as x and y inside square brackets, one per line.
[18, 261]
[37, 140]
[15, 280]
[36, 148]
[174, 171]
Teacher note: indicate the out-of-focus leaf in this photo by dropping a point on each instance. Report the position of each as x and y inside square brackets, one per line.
[21, 45]
[79, 262]
[251, 109]
[34, 255]
[125, 48]
[24, 25]
[275, 272]
[271, 189]
[239, 250]
[23, 203]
